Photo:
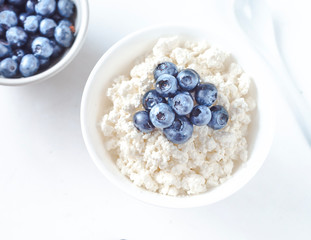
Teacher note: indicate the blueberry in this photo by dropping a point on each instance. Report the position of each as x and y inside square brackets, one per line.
[16, 36]
[17, 2]
[162, 115]
[219, 118]
[165, 68]
[8, 19]
[41, 47]
[45, 7]
[166, 85]
[170, 98]
[30, 6]
[5, 49]
[188, 79]
[1, 2]
[152, 98]
[17, 55]
[206, 94]
[44, 63]
[142, 122]
[182, 103]
[65, 22]
[200, 115]
[63, 35]
[47, 27]
[31, 24]
[29, 65]
[8, 67]
[22, 18]
[180, 131]
[65, 8]
[57, 50]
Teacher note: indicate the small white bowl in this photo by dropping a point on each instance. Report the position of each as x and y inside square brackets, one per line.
[120, 58]
[81, 25]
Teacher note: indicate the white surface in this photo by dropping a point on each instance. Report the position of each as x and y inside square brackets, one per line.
[50, 188]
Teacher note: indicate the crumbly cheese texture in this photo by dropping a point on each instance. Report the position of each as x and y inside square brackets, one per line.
[152, 162]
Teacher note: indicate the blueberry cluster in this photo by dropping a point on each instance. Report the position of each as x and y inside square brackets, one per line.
[33, 33]
[171, 106]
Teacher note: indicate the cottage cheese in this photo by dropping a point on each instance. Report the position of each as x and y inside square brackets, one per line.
[149, 160]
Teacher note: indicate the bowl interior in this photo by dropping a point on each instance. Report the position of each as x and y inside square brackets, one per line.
[121, 58]
[81, 23]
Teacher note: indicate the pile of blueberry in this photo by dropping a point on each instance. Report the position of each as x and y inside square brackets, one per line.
[33, 34]
[171, 106]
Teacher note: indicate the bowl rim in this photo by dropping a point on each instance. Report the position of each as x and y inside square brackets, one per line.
[66, 59]
[142, 194]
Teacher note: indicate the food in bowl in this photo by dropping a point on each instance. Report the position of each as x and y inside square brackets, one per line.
[34, 35]
[210, 156]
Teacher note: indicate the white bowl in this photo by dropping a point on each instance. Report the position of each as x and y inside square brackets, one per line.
[81, 24]
[120, 58]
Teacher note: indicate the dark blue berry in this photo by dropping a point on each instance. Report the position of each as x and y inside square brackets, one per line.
[188, 79]
[47, 27]
[8, 19]
[166, 85]
[8, 67]
[17, 55]
[142, 122]
[65, 8]
[31, 24]
[41, 47]
[57, 50]
[165, 68]
[162, 115]
[63, 35]
[206, 94]
[152, 98]
[182, 103]
[200, 115]
[180, 131]
[219, 118]
[44, 63]
[29, 65]
[5, 49]
[65, 22]
[22, 18]
[16, 36]
[45, 7]
[17, 2]
[30, 6]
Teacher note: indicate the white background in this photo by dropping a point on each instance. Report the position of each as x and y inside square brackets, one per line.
[50, 188]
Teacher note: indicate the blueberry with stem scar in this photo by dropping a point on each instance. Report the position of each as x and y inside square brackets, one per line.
[180, 131]
[165, 68]
[219, 118]
[162, 115]
[166, 85]
[206, 94]
[188, 79]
